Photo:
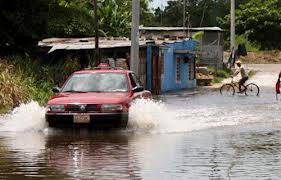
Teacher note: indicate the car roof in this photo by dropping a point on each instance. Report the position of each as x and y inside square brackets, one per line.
[103, 68]
[101, 71]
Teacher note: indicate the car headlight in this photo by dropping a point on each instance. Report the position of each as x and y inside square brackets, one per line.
[111, 107]
[56, 108]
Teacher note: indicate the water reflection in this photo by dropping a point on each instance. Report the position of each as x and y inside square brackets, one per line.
[99, 156]
[243, 152]
[22, 155]
[257, 153]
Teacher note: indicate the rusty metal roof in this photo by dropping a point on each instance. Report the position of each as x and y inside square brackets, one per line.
[180, 29]
[86, 43]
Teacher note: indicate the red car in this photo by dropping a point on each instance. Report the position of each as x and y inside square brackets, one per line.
[99, 98]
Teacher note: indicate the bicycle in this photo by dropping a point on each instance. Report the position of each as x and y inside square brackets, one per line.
[250, 89]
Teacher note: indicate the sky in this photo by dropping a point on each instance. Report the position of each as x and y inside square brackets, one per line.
[157, 3]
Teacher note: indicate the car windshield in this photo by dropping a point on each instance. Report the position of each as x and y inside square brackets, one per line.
[97, 82]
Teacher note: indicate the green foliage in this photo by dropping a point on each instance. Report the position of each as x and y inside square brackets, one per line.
[198, 13]
[114, 21]
[260, 21]
[12, 89]
[37, 81]
[23, 23]
[250, 46]
[114, 17]
[219, 74]
[222, 73]
[198, 36]
[69, 22]
[23, 80]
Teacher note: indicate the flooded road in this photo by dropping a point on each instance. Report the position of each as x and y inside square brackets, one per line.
[184, 136]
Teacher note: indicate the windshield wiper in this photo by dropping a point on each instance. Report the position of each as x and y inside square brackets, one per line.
[96, 91]
[72, 91]
[118, 90]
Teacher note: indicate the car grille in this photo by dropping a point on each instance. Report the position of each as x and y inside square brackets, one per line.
[79, 108]
[92, 107]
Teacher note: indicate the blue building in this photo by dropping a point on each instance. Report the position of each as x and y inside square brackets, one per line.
[163, 66]
[171, 66]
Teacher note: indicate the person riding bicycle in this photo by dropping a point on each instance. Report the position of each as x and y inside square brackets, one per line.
[244, 75]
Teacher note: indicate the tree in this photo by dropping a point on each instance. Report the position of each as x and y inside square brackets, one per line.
[198, 13]
[23, 23]
[66, 20]
[260, 20]
[114, 16]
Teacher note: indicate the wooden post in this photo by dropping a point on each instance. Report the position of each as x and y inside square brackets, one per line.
[97, 50]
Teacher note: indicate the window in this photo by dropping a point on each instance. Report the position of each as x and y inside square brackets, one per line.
[161, 59]
[134, 80]
[97, 82]
[178, 61]
[191, 69]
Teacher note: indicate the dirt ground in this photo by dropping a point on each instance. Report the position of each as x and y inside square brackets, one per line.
[261, 57]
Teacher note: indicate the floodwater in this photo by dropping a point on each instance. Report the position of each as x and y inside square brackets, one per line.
[186, 135]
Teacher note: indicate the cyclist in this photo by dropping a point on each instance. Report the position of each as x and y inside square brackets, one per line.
[244, 75]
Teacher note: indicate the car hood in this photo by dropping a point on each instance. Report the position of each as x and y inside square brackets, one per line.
[89, 98]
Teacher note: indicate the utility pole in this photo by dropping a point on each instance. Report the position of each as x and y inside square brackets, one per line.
[232, 26]
[97, 50]
[135, 36]
[184, 9]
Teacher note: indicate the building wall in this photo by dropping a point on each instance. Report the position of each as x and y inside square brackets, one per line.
[153, 69]
[142, 65]
[168, 79]
[212, 46]
[212, 49]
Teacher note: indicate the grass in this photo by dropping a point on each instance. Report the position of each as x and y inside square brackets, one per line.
[220, 74]
[3, 111]
[22, 80]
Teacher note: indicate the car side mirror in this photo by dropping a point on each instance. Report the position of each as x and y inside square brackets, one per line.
[56, 89]
[138, 89]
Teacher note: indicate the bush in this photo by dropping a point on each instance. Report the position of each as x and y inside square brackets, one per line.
[250, 46]
[23, 80]
[220, 74]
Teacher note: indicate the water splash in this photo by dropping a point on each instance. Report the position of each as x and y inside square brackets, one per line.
[26, 117]
[177, 114]
[158, 117]
[198, 114]
[148, 114]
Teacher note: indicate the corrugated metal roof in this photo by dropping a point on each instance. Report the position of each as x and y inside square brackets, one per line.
[169, 41]
[180, 29]
[85, 43]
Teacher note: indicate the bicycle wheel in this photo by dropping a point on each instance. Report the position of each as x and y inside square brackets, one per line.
[227, 90]
[252, 90]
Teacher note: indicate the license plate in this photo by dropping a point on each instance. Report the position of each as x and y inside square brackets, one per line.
[81, 118]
